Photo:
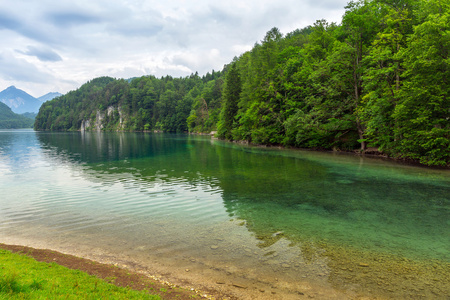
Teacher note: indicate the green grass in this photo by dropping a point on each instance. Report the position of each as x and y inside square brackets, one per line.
[22, 277]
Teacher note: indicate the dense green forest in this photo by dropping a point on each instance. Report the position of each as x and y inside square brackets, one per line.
[379, 79]
[10, 120]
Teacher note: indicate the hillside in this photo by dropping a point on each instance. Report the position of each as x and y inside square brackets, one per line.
[145, 104]
[378, 80]
[10, 120]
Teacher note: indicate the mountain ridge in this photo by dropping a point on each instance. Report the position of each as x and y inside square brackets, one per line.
[21, 102]
[49, 96]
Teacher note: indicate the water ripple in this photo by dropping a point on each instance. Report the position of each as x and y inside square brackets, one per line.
[181, 203]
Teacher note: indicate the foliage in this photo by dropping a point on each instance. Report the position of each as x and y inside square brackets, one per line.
[231, 96]
[379, 79]
[423, 112]
[10, 120]
[146, 103]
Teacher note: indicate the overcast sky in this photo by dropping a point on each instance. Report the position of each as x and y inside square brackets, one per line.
[57, 45]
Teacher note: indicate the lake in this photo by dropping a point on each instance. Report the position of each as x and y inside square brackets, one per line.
[255, 222]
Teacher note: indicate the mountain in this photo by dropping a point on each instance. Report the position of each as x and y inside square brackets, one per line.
[29, 115]
[8, 119]
[19, 101]
[49, 96]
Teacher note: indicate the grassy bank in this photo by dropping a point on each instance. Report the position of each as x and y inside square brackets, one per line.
[22, 277]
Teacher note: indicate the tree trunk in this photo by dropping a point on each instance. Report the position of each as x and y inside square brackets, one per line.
[361, 135]
[357, 95]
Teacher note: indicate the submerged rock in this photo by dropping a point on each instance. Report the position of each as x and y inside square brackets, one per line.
[363, 265]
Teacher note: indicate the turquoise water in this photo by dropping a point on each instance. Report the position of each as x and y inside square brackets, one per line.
[358, 225]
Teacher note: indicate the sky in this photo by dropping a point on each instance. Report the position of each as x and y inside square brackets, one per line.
[57, 45]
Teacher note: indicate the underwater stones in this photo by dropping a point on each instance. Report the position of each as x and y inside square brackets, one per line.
[364, 265]
[238, 285]
[345, 181]
[214, 247]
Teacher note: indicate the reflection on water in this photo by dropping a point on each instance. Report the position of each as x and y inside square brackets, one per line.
[363, 226]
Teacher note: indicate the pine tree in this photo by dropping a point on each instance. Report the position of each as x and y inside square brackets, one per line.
[231, 96]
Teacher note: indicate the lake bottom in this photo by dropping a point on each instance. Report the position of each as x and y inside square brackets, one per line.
[228, 264]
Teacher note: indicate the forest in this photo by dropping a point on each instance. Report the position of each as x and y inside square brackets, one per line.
[10, 120]
[379, 80]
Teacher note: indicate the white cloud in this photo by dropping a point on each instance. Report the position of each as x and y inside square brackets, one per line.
[14, 68]
[62, 44]
[201, 59]
[43, 54]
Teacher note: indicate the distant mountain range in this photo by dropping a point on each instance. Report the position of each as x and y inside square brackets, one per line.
[21, 102]
[49, 96]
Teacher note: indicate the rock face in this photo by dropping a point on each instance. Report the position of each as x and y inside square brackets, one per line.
[96, 125]
[101, 119]
[85, 125]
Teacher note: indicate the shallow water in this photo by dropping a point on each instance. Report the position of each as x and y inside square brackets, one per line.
[288, 220]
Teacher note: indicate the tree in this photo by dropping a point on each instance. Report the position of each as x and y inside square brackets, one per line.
[231, 96]
[382, 82]
[423, 112]
[360, 24]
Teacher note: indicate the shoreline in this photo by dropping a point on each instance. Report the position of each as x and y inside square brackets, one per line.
[192, 282]
[213, 281]
[372, 153]
[123, 277]
[209, 281]
[369, 152]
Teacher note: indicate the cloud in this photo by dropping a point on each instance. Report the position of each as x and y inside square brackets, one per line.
[23, 27]
[130, 38]
[130, 24]
[68, 19]
[201, 60]
[21, 70]
[43, 54]
[221, 15]
[136, 29]
[327, 4]
[6, 22]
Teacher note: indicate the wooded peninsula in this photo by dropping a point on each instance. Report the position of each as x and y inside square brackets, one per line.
[380, 79]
